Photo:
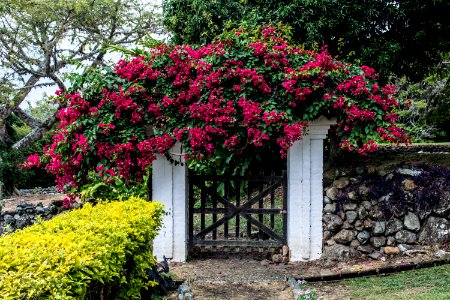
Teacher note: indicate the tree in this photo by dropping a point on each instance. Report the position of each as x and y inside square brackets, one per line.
[250, 90]
[40, 40]
[401, 37]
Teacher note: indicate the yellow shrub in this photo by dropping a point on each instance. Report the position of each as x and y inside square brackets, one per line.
[109, 243]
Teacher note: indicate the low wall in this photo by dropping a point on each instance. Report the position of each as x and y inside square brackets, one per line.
[379, 205]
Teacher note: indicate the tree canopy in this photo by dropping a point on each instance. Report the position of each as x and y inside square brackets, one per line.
[394, 37]
[40, 40]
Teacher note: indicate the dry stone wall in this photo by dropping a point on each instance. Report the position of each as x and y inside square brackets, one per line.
[369, 211]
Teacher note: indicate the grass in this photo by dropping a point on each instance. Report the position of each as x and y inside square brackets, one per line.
[429, 284]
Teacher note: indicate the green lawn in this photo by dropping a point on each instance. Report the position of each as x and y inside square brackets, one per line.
[430, 284]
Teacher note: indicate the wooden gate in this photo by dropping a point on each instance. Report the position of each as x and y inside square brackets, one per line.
[237, 211]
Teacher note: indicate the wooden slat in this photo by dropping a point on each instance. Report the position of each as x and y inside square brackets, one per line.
[238, 243]
[197, 178]
[214, 203]
[238, 203]
[221, 210]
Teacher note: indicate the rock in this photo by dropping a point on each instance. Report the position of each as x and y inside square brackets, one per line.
[423, 214]
[9, 220]
[359, 170]
[265, 262]
[393, 226]
[285, 250]
[363, 237]
[375, 255]
[409, 185]
[435, 230]
[366, 205]
[339, 253]
[412, 222]
[390, 241]
[332, 222]
[350, 206]
[344, 236]
[347, 225]
[404, 247]
[405, 237]
[351, 195]
[326, 235]
[57, 203]
[330, 208]
[368, 224]
[330, 242]
[351, 216]
[376, 213]
[341, 183]
[362, 213]
[378, 241]
[355, 244]
[366, 248]
[443, 210]
[441, 253]
[23, 221]
[332, 193]
[385, 198]
[40, 210]
[409, 172]
[391, 250]
[379, 228]
[326, 200]
[363, 190]
[341, 215]
[277, 258]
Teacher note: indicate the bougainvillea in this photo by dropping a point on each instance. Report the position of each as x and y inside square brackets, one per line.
[248, 90]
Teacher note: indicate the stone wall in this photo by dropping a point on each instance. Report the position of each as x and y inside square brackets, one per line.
[371, 210]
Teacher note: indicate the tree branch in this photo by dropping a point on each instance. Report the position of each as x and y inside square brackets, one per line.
[36, 133]
[27, 119]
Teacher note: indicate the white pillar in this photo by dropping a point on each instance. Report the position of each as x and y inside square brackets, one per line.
[305, 175]
[169, 186]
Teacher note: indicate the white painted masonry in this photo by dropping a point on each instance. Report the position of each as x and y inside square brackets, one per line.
[305, 175]
[169, 186]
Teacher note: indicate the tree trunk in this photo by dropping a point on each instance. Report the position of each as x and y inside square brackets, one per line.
[35, 134]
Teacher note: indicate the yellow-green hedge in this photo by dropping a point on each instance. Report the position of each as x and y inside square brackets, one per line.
[109, 243]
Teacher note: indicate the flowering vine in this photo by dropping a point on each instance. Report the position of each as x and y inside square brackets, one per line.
[241, 92]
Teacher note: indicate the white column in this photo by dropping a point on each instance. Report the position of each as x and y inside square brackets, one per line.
[169, 186]
[305, 175]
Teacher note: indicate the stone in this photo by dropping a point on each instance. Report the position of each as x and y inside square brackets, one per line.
[332, 193]
[9, 220]
[409, 172]
[363, 190]
[326, 235]
[443, 210]
[351, 216]
[409, 185]
[362, 213]
[40, 210]
[359, 170]
[435, 230]
[355, 243]
[339, 253]
[390, 241]
[378, 241]
[341, 183]
[366, 205]
[351, 195]
[57, 203]
[412, 222]
[368, 224]
[330, 208]
[285, 250]
[441, 253]
[385, 198]
[326, 200]
[330, 242]
[346, 225]
[404, 247]
[23, 221]
[376, 213]
[363, 237]
[366, 249]
[375, 255]
[350, 206]
[423, 214]
[379, 228]
[277, 258]
[344, 236]
[405, 237]
[391, 250]
[332, 222]
[341, 215]
[393, 225]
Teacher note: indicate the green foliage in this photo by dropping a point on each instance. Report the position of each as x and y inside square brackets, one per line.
[401, 37]
[108, 244]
